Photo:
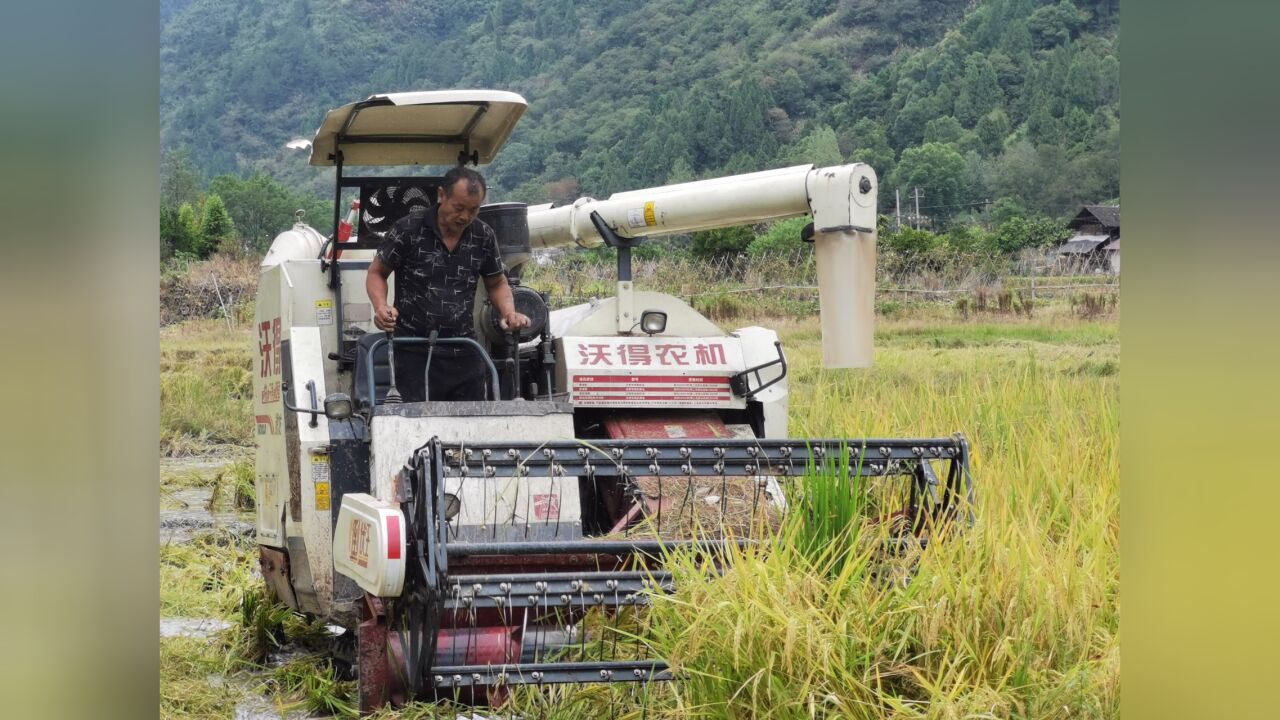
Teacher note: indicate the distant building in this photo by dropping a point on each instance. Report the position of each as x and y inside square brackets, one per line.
[1096, 244]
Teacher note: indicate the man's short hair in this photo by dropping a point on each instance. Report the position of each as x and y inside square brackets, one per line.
[475, 181]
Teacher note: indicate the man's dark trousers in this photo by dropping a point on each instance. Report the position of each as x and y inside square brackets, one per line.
[456, 374]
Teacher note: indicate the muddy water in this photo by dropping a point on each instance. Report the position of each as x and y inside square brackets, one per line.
[191, 627]
[185, 513]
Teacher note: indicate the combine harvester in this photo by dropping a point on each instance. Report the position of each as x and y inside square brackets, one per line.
[474, 546]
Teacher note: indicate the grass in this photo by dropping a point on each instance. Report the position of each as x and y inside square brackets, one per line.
[233, 486]
[208, 576]
[192, 682]
[1021, 617]
[1017, 617]
[206, 388]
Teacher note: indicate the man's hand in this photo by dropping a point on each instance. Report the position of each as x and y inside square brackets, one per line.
[516, 321]
[385, 318]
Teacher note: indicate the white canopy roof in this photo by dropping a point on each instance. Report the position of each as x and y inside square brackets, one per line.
[418, 128]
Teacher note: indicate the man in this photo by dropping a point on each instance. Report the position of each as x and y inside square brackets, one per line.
[437, 257]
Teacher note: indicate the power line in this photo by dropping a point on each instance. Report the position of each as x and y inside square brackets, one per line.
[967, 204]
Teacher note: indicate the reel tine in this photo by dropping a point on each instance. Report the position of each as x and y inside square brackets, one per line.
[451, 532]
[660, 495]
[557, 493]
[755, 503]
[582, 624]
[528, 499]
[724, 499]
[644, 701]
[684, 505]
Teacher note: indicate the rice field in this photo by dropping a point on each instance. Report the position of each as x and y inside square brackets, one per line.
[1017, 617]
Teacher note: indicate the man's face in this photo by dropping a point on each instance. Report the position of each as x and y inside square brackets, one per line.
[458, 207]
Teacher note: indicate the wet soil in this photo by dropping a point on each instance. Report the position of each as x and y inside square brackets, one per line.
[185, 513]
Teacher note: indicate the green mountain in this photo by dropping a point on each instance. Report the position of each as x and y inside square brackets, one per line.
[966, 100]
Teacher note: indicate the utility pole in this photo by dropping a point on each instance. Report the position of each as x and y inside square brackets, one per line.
[915, 192]
[897, 211]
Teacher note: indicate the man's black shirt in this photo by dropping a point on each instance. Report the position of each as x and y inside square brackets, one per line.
[435, 289]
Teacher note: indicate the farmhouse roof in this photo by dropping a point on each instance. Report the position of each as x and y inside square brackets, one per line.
[1108, 216]
[1082, 244]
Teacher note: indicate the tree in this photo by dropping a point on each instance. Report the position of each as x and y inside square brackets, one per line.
[947, 129]
[938, 170]
[1085, 88]
[1009, 74]
[974, 180]
[911, 241]
[1078, 130]
[782, 237]
[1003, 209]
[789, 92]
[179, 180]
[819, 146]
[1055, 24]
[872, 148]
[263, 208]
[680, 172]
[967, 238]
[722, 241]
[1020, 232]
[908, 126]
[180, 231]
[992, 129]
[215, 225]
[747, 114]
[1037, 175]
[1017, 40]
[979, 90]
[1042, 126]
[177, 231]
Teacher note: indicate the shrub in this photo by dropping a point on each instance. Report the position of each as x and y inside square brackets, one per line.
[781, 237]
[722, 241]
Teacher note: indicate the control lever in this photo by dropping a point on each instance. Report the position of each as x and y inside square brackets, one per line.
[393, 395]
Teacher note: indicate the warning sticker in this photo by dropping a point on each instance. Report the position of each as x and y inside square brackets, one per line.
[319, 468]
[320, 476]
[635, 217]
[324, 312]
[650, 217]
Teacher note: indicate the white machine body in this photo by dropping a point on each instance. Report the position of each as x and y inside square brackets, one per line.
[486, 506]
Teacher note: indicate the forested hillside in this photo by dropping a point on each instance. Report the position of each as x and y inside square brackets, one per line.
[1012, 101]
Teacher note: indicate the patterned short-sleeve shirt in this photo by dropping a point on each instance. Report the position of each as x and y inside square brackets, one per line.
[436, 289]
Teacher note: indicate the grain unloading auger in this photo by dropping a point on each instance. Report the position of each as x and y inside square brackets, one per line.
[474, 546]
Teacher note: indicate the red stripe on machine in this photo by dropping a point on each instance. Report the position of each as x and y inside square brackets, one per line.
[393, 537]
